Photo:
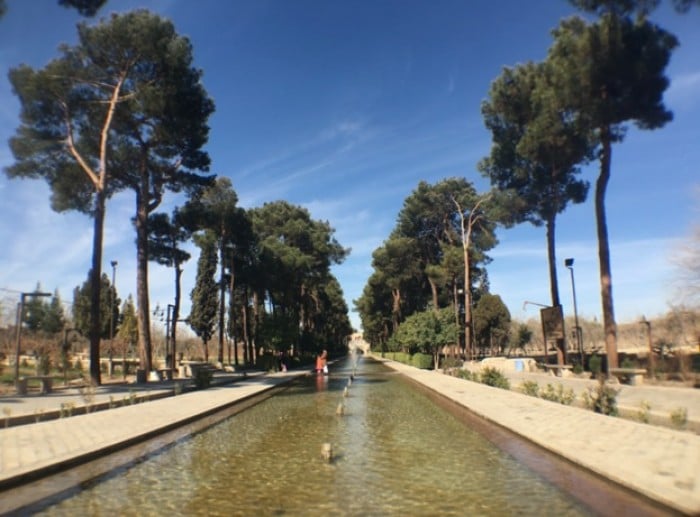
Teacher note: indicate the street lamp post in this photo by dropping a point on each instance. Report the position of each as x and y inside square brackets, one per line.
[569, 263]
[20, 313]
[652, 366]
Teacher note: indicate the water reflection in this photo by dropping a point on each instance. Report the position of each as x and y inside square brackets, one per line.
[395, 453]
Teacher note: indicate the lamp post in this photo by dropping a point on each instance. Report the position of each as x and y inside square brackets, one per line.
[569, 263]
[652, 367]
[20, 313]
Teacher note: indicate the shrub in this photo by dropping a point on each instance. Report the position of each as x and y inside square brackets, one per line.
[402, 357]
[530, 388]
[679, 417]
[467, 375]
[577, 369]
[595, 363]
[643, 413]
[494, 377]
[43, 364]
[451, 362]
[602, 399]
[558, 394]
[423, 361]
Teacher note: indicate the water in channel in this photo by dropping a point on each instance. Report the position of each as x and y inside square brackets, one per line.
[395, 453]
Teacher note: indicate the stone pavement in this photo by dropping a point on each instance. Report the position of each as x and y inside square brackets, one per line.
[661, 400]
[661, 463]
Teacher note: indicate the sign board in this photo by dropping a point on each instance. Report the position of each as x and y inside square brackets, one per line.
[552, 323]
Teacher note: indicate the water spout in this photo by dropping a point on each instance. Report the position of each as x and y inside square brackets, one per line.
[327, 452]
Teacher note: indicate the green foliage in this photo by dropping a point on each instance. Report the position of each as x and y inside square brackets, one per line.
[524, 336]
[43, 363]
[109, 302]
[679, 417]
[467, 375]
[450, 362]
[643, 413]
[558, 394]
[530, 388]
[292, 262]
[267, 362]
[601, 399]
[128, 331]
[607, 74]
[577, 369]
[595, 364]
[421, 264]
[205, 294]
[491, 322]
[84, 7]
[427, 332]
[423, 361]
[494, 377]
[402, 357]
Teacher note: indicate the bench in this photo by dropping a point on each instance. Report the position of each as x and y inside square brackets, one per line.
[633, 376]
[190, 368]
[558, 369]
[46, 384]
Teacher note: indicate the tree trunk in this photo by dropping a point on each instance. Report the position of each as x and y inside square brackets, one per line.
[176, 315]
[96, 284]
[143, 319]
[468, 338]
[434, 292]
[552, 257]
[222, 300]
[609, 326]
[232, 310]
[395, 309]
[256, 323]
[554, 283]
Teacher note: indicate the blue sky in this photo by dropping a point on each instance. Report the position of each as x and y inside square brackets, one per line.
[343, 107]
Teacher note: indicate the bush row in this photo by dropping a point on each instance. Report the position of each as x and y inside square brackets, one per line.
[419, 360]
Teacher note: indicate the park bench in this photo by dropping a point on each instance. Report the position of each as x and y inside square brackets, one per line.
[23, 383]
[558, 369]
[166, 374]
[633, 376]
[190, 368]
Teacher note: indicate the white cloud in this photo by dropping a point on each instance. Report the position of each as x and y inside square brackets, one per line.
[684, 91]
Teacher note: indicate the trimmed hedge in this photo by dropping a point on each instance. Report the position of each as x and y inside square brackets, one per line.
[423, 361]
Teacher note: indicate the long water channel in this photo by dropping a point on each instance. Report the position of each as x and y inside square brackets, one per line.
[395, 453]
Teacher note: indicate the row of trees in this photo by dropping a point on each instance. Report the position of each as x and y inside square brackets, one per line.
[547, 119]
[435, 258]
[272, 262]
[124, 109]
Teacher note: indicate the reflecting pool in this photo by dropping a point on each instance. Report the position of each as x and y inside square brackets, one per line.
[395, 453]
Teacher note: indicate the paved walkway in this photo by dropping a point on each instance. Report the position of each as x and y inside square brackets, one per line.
[661, 463]
[661, 400]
